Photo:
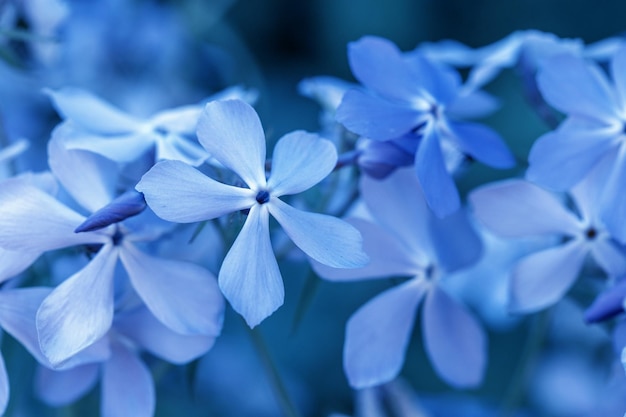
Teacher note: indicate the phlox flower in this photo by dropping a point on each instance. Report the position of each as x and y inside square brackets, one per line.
[592, 132]
[407, 94]
[525, 49]
[95, 125]
[79, 311]
[249, 277]
[517, 208]
[126, 383]
[405, 239]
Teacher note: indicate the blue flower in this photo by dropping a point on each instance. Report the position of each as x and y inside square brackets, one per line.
[249, 276]
[405, 239]
[517, 208]
[592, 134]
[77, 313]
[408, 94]
[127, 387]
[96, 126]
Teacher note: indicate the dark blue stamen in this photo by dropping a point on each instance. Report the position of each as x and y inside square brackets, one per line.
[262, 197]
[591, 233]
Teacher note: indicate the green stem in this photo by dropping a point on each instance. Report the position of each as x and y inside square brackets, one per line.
[285, 402]
[528, 360]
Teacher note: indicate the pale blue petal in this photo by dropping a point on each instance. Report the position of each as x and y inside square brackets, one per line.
[592, 96]
[183, 296]
[483, 144]
[127, 385]
[398, 205]
[541, 279]
[232, 133]
[472, 105]
[389, 257]
[181, 120]
[15, 262]
[618, 71]
[454, 241]
[95, 186]
[180, 193]
[454, 340]
[249, 277]
[379, 65]
[377, 335]
[376, 118]
[149, 333]
[613, 206]
[300, 161]
[325, 238]
[59, 388]
[123, 147]
[4, 386]
[437, 184]
[80, 310]
[587, 194]
[517, 208]
[33, 221]
[440, 81]
[91, 112]
[560, 159]
[18, 309]
[610, 256]
[180, 149]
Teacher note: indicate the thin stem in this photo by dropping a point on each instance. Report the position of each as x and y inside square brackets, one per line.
[528, 360]
[285, 402]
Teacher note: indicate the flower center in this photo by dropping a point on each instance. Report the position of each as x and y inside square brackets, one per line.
[591, 233]
[262, 197]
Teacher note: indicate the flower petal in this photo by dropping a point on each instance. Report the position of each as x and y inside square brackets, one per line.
[33, 221]
[389, 257]
[593, 96]
[149, 333]
[325, 238]
[517, 208]
[379, 65]
[376, 118]
[610, 256]
[541, 279]
[613, 206]
[300, 161]
[454, 341]
[123, 147]
[618, 71]
[4, 386]
[249, 277]
[183, 296]
[560, 159]
[377, 335]
[397, 204]
[15, 262]
[127, 385]
[180, 193]
[230, 130]
[95, 186]
[59, 388]
[181, 120]
[483, 144]
[80, 310]
[18, 309]
[91, 112]
[439, 189]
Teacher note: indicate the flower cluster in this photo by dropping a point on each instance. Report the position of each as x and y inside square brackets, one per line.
[131, 233]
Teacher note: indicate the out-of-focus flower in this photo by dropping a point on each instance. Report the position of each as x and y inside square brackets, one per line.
[406, 239]
[517, 208]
